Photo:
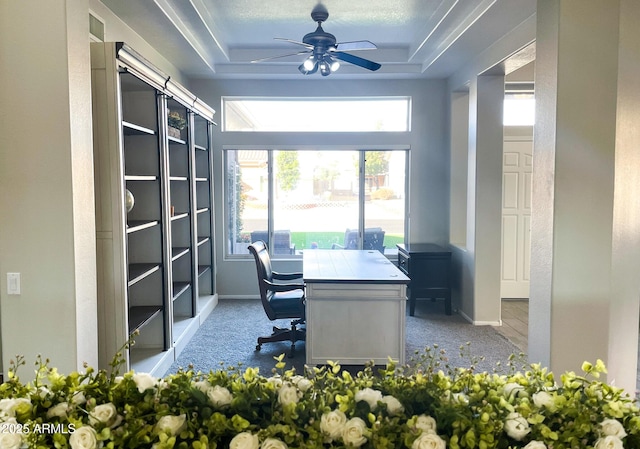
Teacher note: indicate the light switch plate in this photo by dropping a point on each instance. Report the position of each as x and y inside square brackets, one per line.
[13, 283]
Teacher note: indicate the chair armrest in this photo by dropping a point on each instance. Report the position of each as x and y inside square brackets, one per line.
[336, 246]
[285, 276]
[283, 287]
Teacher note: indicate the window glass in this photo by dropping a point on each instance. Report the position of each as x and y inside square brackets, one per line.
[315, 198]
[519, 110]
[319, 199]
[388, 114]
[247, 198]
[384, 205]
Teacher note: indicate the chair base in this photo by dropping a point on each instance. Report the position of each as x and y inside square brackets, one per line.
[291, 334]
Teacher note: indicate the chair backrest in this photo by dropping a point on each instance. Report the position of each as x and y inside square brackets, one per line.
[373, 239]
[265, 273]
[281, 240]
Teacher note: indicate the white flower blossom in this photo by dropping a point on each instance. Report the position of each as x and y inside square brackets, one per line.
[609, 442]
[273, 443]
[171, 424]
[429, 441]
[369, 396]
[516, 426]
[58, 411]
[612, 427]
[104, 413]
[543, 399]
[332, 423]
[288, 394]
[394, 406]
[144, 381]
[512, 389]
[84, 437]
[244, 440]
[219, 396]
[426, 423]
[9, 406]
[535, 445]
[353, 433]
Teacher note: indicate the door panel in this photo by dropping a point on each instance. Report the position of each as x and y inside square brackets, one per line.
[516, 219]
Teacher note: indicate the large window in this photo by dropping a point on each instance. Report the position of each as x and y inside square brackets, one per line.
[329, 199]
[347, 114]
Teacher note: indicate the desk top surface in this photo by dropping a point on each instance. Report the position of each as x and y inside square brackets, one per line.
[350, 266]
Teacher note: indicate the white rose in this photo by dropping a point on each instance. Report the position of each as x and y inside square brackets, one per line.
[393, 405]
[10, 440]
[535, 445]
[369, 396]
[104, 413]
[78, 398]
[202, 385]
[302, 383]
[244, 440]
[58, 411]
[512, 389]
[516, 426]
[429, 441]
[353, 432]
[170, 424]
[83, 437]
[8, 407]
[612, 427]
[426, 423]
[332, 424]
[144, 381]
[609, 442]
[276, 381]
[273, 443]
[219, 396]
[288, 394]
[543, 399]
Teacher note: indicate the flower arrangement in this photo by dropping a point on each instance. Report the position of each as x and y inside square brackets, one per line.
[424, 405]
[175, 120]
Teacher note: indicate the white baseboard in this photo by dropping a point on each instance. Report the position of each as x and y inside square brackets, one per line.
[479, 323]
[239, 297]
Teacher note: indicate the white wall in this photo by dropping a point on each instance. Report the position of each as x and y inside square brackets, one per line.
[429, 191]
[46, 184]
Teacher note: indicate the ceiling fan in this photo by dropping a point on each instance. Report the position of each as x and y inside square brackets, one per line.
[324, 52]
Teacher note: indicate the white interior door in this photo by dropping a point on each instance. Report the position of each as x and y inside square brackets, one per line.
[516, 218]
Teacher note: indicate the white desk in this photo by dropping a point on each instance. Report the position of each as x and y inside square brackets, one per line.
[355, 310]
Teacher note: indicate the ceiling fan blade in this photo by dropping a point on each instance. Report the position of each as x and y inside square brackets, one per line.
[310, 47]
[356, 60]
[355, 45]
[281, 56]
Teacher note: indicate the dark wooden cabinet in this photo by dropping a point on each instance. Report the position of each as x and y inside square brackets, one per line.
[429, 267]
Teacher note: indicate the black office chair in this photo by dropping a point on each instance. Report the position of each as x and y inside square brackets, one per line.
[280, 300]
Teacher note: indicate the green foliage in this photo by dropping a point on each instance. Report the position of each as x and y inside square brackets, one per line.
[288, 170]
[426, 404]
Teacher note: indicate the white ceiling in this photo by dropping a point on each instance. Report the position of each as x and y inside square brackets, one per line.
[415, 38]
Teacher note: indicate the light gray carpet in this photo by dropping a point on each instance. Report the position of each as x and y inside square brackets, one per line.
[229, 336]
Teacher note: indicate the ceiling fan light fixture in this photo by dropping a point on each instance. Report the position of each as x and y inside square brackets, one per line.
[309, 63]
[304, 70]
[325, 69]
[334, 64]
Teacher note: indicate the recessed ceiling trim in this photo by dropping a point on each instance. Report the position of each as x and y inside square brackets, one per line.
[462, 28]
[173, 16]
[209, 23]
[434, 28]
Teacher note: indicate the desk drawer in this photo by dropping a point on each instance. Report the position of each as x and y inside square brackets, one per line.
[403, 263]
